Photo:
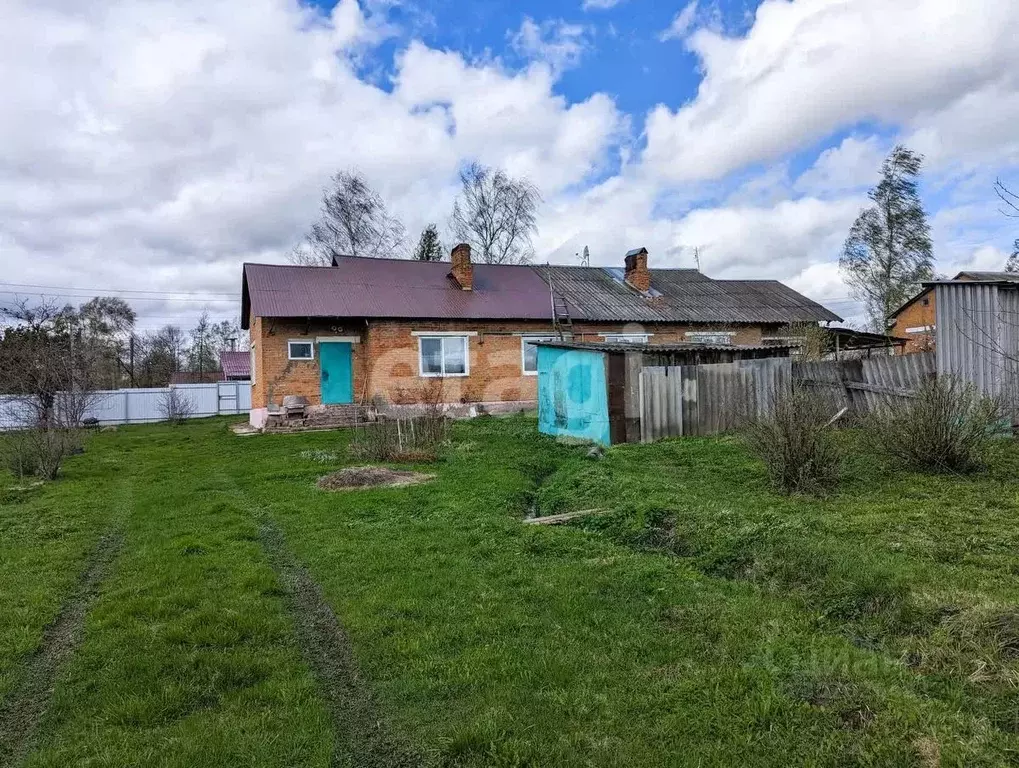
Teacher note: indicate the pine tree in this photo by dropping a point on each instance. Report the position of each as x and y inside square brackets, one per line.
[889, 252]
[429, 247]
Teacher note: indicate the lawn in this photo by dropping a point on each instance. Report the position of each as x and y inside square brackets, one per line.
[193, 599]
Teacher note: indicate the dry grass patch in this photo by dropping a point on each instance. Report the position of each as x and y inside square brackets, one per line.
[353, 478]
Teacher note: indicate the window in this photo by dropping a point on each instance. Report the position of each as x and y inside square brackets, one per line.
[710, 337]
[529, 353]
[443, 356]
[625, 338]
[300, 350]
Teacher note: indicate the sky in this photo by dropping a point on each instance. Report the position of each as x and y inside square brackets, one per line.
[149, 149]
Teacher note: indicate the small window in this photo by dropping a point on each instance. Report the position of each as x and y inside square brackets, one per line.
[626, 338]
[721, 338]
[529, 353]
[300, 350]
[925, 301]
[443, 356]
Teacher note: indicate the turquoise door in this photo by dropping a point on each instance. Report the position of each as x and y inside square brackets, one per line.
[337, 372]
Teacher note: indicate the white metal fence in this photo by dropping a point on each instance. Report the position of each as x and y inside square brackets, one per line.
[140, 406]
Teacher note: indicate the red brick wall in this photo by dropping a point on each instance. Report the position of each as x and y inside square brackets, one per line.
[496, 366]
[916, 315]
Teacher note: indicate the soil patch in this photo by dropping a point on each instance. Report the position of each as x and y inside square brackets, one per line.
[360, 733]
[353, 478]
[24, 707]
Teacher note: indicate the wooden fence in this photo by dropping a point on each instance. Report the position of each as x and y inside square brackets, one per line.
[708, 399]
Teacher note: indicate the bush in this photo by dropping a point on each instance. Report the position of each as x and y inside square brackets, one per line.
[175, 406]
[40, 451]
[947, 426]
[413, 439]
[797, 443]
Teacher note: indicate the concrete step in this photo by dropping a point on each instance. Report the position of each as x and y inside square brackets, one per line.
[330, 417]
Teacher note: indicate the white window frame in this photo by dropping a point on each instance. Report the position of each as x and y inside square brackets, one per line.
[442, 339]
[696, 336]
[309, 342]
[922, 329]
[625, 338]
[524, 341]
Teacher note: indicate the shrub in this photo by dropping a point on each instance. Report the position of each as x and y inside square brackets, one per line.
[39, 451]
[797, 443]
[412, 439]
[947, 426]
[175, 406]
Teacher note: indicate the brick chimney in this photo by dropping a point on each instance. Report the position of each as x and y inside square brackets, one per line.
[637, 273]
[463, 270]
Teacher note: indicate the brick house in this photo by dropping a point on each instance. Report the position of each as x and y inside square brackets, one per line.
[394, 332]
[915, 320]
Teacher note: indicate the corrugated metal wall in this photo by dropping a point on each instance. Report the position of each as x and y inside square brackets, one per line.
[707, 399]
[977, 336]
[138, 406]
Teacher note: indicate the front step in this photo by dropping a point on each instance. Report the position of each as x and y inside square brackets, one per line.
[329, 417]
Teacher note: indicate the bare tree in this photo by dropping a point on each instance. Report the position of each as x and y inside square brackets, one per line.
[496, 215]
[354, 221]
[46, 369]
[1010, 208]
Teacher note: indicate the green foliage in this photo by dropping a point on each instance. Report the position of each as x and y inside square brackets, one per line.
[429, 247]
[889, 252]
[948, 426]
[703, 620]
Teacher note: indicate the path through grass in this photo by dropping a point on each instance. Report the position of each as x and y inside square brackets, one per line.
[254, 619]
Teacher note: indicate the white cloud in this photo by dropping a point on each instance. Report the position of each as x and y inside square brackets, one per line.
[806, 68]
[600, 5]
[159, 147]
[681, 24]
[558, 44]
[853, 164]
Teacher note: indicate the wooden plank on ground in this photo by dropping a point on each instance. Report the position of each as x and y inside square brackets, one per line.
[564, 517]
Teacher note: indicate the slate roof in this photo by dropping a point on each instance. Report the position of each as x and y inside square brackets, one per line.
[396, 288]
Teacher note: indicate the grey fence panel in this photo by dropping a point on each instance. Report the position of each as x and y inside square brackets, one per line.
[868, 384]
[708, 399]
[139, 406]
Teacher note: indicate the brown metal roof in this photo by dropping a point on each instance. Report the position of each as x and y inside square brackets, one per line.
[235, 365]
[393, 288]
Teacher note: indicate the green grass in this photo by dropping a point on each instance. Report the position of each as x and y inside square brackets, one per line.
[704, 621]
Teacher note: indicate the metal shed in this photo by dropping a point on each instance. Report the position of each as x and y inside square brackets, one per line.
[977, 335]
[591, 391]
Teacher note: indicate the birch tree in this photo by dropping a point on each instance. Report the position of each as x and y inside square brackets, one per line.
[496, 215]
[889, 253]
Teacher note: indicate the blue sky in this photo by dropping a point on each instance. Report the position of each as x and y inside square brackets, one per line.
[157, 147]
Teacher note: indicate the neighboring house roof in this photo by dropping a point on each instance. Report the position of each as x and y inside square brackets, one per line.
[395, 288]
[235, 365]
[989, 277]
[964, 277]
[189, 377]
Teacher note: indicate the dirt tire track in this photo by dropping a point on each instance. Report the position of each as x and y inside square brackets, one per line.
[357, 727]
[24, 707]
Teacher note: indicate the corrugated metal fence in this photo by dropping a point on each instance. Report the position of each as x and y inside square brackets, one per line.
[708, 399]
[866, 384]
[139, 406]
[977, 337]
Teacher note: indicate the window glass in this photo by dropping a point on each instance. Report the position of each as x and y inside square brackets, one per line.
[531, 352]
[431, 356]
[300, 350]
[454, 355]
[626, 338]
[708, 337]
